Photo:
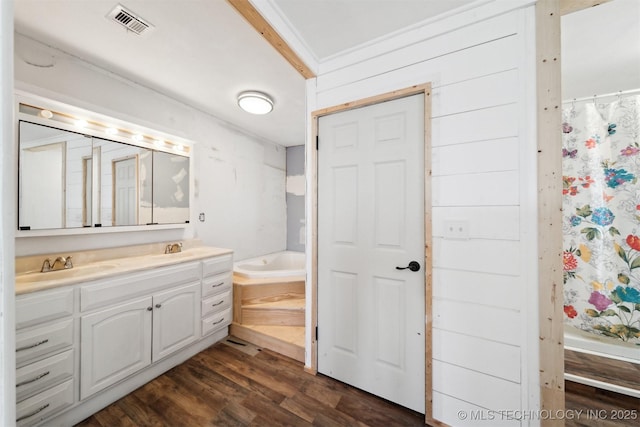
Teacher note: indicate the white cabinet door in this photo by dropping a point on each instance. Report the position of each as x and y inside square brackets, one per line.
[176, 315]
[115, 343]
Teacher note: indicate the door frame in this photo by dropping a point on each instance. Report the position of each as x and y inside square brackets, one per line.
[377, 99]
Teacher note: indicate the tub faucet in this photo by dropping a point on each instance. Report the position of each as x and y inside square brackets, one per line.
[173, 248]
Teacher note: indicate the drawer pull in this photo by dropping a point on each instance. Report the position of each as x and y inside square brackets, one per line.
[219, 284]
[33, 379]
[218, 303]
[37, 411]
[33, 345]
[218, 322]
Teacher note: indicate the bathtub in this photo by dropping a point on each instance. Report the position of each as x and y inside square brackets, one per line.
[581, 341]
[578, 340]
[279, 264]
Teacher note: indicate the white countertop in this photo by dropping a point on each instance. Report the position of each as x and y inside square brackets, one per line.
[32, 281]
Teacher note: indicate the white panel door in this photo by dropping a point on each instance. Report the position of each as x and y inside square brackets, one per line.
[371, 316]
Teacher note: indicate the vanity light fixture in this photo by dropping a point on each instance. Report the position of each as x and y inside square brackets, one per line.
[98, 126]
[47, 114]
[255, 102]
[81, 123]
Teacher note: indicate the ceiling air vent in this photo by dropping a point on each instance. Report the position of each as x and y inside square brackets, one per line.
[129, 20]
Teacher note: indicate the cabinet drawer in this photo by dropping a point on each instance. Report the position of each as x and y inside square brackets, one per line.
[40, 406]
[43, 306]
[216, 321]
[124, 288]
[216, 303]
[216, 284]
[217, 265]
[33, 378]
[38, 341]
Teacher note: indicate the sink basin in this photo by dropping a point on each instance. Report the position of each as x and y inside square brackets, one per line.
[64, 274]
[187, 253]
[97, 267]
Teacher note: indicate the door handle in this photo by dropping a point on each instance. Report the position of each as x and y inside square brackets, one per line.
[413, 266]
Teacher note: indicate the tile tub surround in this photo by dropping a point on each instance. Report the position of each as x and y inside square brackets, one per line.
[100, 263]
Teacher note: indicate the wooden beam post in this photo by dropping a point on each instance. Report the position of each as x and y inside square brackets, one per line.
[253, 17]
[549, 117]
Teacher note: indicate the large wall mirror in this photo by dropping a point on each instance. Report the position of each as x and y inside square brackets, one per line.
[55, 185]
[73, 179]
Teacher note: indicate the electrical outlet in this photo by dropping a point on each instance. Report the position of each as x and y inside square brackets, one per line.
[201, 217]
[456, 229]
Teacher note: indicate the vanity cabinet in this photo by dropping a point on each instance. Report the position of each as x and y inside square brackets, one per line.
[124, 338]
[81, 347]
[45, 351]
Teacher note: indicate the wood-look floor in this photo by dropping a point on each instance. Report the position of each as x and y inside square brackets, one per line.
[592, 407]
[231, 385]
[235, 385]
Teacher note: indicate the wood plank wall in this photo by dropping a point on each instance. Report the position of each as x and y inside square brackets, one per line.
[484, 323]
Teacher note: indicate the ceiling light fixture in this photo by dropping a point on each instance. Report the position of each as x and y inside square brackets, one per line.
[255, 102]
[111, 131]
[81, 123]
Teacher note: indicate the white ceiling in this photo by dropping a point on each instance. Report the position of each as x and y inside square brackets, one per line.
[203, 53]
[601, 49]
[329, 27]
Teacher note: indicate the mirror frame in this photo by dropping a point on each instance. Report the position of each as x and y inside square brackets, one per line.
[63, 117]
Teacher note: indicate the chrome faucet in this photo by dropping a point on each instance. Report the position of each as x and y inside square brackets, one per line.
[65, 262]
[173, 248]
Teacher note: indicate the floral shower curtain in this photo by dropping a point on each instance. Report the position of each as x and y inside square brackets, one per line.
[601, 211]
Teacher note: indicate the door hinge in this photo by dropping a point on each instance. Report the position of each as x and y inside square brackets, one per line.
[316, 333]
[317, 142]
